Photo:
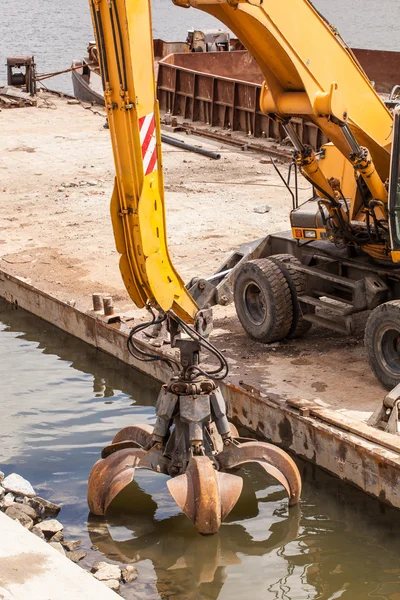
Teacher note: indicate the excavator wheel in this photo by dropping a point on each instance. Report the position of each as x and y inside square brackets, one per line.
[382, 343]
[263, 300]
[298, 285]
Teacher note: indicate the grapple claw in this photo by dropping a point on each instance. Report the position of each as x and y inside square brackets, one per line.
[205, 495]
[109, 476]
[141, 434]
[116, 469]
[133, 436]
[273, 460]
[192, 440]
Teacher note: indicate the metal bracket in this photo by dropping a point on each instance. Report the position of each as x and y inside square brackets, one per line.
[386, 417]
[127, 211]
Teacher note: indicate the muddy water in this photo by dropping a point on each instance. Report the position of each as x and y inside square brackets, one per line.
[56, 32]
[61, 401]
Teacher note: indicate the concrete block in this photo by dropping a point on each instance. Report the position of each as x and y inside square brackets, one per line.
[31, 568]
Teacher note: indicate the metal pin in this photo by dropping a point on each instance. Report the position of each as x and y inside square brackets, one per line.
[97, 302]
[108, 306]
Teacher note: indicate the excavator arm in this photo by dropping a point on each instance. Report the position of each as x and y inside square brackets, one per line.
[124, 39]
[309, 73]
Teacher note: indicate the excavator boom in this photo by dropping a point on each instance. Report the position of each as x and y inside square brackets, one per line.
[309, 71]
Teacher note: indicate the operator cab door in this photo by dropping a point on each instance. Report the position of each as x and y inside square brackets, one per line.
[394, 190]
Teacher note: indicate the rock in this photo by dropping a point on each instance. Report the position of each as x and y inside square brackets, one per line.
[71, 545]
[50, 527]
[18, 515]
[73, 101]
[70, 185]
[129, 574]
[263, 208]
[104, 571]
[61, 189]
[1, 476]
[57, 546]
[23, 508]
[92, 182]
[18, 485]
[19, 499]
[8, 499]
[113, 584]
[38, 532]
[76, 556]
[50, 509]
[57, 537]
[37, 506]
[2, 492]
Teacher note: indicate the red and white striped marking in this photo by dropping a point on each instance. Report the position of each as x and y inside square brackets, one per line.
[147, 127]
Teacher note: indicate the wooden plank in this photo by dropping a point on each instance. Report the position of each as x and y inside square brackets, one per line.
[7, 101]
[347, 423]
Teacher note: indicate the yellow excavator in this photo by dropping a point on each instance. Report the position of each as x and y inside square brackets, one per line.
[340, 256]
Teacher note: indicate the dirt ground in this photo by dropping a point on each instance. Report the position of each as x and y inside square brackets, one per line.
[56, 179]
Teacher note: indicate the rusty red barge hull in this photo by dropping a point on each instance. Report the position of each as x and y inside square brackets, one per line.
[222, 90]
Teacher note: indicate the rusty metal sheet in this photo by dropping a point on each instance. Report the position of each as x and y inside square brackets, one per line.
[381, 66]
[222, 89]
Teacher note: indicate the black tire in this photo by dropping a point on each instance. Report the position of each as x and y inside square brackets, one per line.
[298, 285]
[382, 343]
[263, 300]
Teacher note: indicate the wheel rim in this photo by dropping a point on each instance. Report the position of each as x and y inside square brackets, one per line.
[254, 303]
[389, 349]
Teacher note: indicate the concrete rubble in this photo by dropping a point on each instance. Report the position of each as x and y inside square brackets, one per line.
[19, 502]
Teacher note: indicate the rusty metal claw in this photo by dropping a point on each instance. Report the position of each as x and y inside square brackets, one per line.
[272, 459]
[205, 495]
[141, 434]
[116, 469]
[193, 441]
[109, 476]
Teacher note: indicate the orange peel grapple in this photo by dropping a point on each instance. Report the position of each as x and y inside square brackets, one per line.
[193, 442]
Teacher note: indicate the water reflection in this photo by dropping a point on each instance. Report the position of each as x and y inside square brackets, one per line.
[340, 545]
[108, 373]
[185, 562]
